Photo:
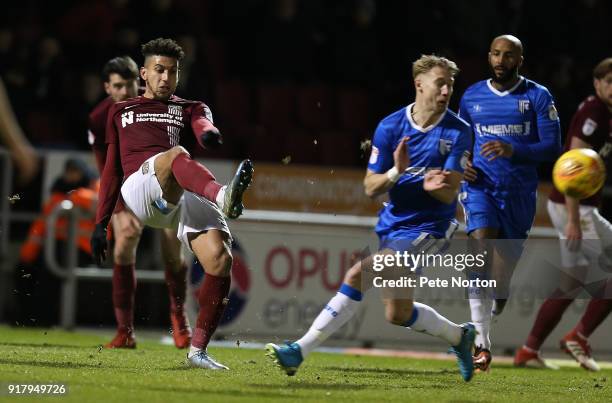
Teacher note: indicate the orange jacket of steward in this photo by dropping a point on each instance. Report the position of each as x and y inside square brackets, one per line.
[83, 198]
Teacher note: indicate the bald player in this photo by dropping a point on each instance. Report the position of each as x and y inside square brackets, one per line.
[515, 127]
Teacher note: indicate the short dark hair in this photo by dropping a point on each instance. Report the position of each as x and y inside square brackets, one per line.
[162, 47]
[602, 68]
[122, 65]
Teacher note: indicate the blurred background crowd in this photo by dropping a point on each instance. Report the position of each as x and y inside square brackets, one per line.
[302, 78]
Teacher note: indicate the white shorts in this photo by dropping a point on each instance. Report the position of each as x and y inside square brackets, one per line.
[596, 234]
[193, 213]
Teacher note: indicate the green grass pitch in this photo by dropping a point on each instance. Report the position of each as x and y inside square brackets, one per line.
[156, 373]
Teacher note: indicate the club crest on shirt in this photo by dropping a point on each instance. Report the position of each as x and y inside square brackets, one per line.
[523, 105]
[444, 146]
[127, 118]
[589, 127]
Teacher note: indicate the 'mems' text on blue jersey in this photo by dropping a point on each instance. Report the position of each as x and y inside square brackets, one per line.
[524, 116]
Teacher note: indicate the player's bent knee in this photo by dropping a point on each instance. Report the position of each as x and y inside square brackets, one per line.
[176, 151]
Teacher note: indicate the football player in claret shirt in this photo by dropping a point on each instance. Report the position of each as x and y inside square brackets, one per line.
[515, 126]
[418, 156]
[577, 220]
[121, 77]
[149, 172]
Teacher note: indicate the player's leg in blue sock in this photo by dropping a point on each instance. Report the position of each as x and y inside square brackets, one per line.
[334, 315]
[423, 318]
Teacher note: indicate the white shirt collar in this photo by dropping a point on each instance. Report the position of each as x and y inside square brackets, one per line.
[419, 128]
[508, 91]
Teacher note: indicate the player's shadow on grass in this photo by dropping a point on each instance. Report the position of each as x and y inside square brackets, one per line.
[390, 371]
[48, 364]
[38, 345]
[298, 384]
[198, 391]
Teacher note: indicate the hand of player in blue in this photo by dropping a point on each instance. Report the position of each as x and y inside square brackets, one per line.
[495, 148]
[435, 180]
[469, 173]
[401, 158]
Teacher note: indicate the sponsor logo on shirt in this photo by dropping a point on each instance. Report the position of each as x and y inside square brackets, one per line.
[589, 127]
[171, 117]
[523, 129]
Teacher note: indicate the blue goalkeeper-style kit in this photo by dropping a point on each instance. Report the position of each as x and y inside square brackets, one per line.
[504, 195]
[411, 212]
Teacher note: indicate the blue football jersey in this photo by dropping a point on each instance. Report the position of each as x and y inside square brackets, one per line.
[524, 116]
[442, 145]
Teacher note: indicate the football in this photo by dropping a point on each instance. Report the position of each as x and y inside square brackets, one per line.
[579, 173]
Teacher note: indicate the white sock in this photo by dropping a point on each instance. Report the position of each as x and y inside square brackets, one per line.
[221, 197]
[429, 321]
[481, 306]
[335, 314]
[193, 350]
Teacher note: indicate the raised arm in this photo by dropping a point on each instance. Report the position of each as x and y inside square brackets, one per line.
[207, 135]
[375, 183]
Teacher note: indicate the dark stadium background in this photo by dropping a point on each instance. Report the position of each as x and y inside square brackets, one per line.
[278, 74]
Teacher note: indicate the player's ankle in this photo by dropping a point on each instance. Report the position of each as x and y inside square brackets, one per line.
[193, 351]
[219, 199]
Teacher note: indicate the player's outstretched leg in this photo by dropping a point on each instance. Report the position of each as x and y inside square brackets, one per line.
[423, 318]
[176, 171]
[334, 315]
[126, 230]
[175, 275]
[212, 249]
